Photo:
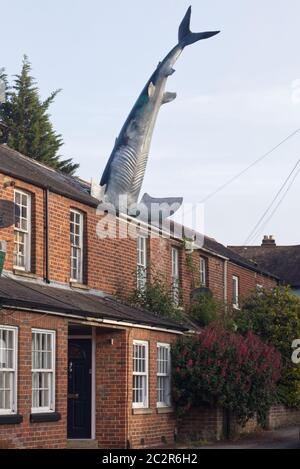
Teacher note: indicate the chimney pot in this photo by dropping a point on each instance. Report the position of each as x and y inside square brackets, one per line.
[268, 241]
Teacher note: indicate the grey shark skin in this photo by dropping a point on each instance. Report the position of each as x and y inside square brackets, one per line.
[124, 172]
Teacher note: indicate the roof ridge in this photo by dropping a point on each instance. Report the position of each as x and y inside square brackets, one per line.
[43, 165]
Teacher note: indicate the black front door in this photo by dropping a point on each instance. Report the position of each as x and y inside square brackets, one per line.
[80, 388]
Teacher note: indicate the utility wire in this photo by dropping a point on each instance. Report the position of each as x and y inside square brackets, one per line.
[280, 201]
[258, 160]
[253, 233]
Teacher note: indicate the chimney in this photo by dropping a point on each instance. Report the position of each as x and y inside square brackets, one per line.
[268, 241]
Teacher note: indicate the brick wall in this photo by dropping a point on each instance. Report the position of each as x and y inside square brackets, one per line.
[247, 280]
[201, 423]
[111, 388]
[280, 416]
[206, 423]
[151, 428]
[37, 435]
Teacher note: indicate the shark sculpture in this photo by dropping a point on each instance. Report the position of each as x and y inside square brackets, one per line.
[125, 169]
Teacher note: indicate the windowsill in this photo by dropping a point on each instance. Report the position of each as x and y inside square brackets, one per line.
[81, 286]
[164, 410]
[141, 411]
[11, 419]
[23, 273]
[45, 417]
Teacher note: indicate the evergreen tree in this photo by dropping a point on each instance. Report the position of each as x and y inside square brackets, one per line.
[30, 130]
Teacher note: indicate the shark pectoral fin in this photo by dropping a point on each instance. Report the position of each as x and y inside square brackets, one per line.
[170, 72]
[151, 89]
[168, 97]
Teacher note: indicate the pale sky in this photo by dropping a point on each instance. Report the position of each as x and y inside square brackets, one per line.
[235, 96]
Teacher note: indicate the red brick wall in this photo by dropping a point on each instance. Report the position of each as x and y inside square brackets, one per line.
[37, 435]
[37, 251]
[153, 428]
[247, 280]
[201, 423]
[280, 416]
[111, 388]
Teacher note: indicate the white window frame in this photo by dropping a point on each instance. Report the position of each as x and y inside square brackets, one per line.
[79, 248]
[141, 247]
[26, 233]
[235, 291]
[203, 271]
[167, 375]
[175, 275]
[51, 371]
[145, 403]
[13, 371]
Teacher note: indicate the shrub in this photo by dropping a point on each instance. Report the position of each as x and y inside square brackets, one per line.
[221, 368]
[275, 317]
[204, 309]
[156, 298]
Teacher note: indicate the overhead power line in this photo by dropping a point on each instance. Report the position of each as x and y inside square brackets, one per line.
[262, 222]
[258, 160]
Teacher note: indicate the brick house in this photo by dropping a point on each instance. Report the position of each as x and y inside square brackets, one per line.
[284, 261]
[76, 363]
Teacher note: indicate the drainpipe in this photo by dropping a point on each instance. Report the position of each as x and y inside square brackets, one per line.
[46, 236]
[225, 282]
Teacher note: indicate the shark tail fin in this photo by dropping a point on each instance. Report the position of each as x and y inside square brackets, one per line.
[186, 37]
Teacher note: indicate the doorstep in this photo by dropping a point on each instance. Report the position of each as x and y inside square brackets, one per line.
[82, 444]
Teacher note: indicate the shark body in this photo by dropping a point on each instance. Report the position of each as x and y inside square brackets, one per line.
[125, 169]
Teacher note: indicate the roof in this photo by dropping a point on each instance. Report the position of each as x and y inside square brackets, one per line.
[284, 261]
[38, 297]
[14, 164]
[214, 247]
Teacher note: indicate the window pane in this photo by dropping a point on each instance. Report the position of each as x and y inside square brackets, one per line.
[140, 377]
[163, 375]
[6, 390]
[76, 240]
[42, 359]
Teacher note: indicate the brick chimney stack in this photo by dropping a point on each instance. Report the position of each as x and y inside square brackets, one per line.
[268, 241]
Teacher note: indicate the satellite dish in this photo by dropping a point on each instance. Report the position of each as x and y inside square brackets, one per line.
[202, 291]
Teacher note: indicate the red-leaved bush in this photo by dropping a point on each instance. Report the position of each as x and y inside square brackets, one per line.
[225, 369]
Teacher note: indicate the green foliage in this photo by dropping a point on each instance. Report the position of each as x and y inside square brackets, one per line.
[275, 316]
[221, 368]
[204, 309]
[156, 297]
[30, 130]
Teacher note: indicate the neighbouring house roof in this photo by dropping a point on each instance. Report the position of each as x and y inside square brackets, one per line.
[14, 164]
[37, 297]
[284, 261]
